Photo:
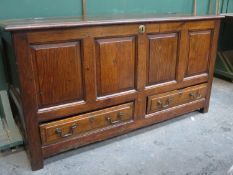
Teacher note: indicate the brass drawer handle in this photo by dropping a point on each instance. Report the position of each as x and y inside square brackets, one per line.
[71, 132]
[110, 120]
[166, 105]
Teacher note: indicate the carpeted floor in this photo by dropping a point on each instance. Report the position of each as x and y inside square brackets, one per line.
[194, 144]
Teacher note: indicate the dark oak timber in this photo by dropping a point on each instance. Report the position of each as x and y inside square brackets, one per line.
[86, 80]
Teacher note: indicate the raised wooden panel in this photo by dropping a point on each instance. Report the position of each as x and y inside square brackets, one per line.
[115, 65]
[58, 70]
[162, 59]
[199, 52]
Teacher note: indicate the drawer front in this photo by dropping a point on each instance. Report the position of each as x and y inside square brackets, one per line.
[74, 126]
[175, 98]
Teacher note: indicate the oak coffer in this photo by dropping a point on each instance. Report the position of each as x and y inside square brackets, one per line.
[77, 81]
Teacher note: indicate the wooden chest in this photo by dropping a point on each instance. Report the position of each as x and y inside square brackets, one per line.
[78, 81]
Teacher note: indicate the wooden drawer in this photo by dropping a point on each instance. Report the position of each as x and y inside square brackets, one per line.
[74, 126]
[177, 97]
